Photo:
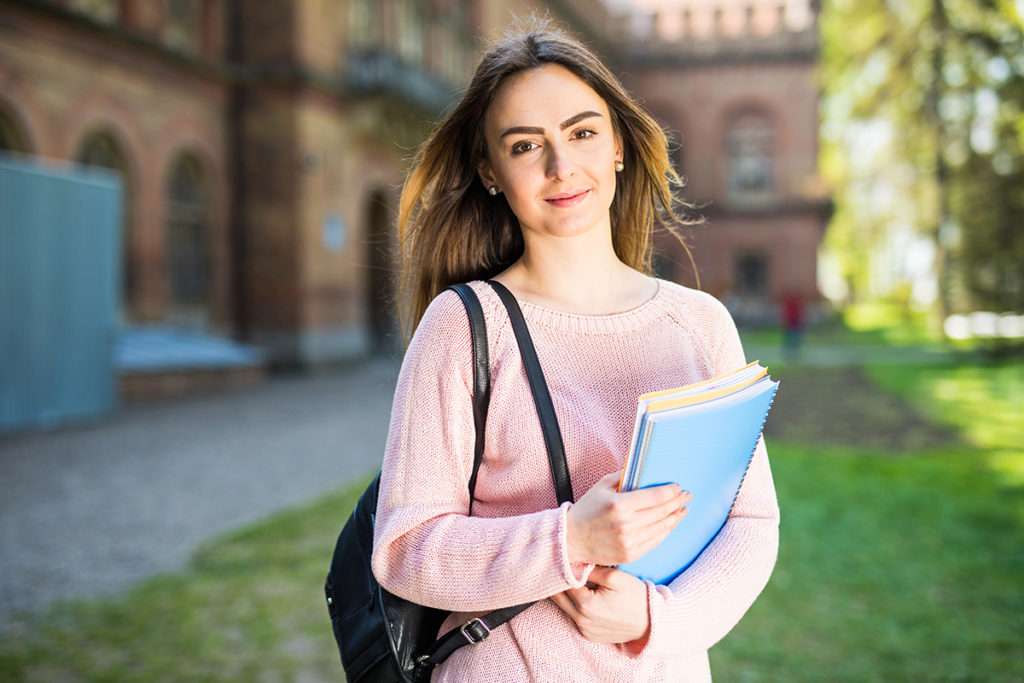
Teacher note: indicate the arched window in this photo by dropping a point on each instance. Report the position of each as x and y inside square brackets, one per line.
[101, 149]
[749, 150]
[187, 242]
[11, 137]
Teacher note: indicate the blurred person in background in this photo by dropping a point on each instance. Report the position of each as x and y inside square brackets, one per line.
[791, 311]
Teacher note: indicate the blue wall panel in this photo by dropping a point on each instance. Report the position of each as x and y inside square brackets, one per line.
[59, 292]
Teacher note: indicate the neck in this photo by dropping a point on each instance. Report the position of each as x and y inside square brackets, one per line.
[579, 274]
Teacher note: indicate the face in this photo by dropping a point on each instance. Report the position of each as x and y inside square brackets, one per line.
[551, 150]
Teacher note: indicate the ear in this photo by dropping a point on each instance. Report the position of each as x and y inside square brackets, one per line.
[483, 169]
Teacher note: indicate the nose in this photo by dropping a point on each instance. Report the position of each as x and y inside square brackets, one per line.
[559, 163]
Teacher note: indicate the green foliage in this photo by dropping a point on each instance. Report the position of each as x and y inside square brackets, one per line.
[923, 116]
[992, 252]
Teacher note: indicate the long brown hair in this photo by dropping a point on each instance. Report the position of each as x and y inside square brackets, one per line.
[450, 230]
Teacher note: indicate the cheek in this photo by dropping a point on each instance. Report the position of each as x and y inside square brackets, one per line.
[521, 180]
[600, 161]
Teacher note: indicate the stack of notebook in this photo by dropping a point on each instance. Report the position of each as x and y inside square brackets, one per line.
[702, 437]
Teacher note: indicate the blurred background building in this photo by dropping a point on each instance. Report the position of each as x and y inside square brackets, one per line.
[733, 84]
[261, 148]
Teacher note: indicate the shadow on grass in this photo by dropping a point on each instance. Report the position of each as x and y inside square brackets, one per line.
[842, 406]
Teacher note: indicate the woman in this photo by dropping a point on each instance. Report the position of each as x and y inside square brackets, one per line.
[548, 178]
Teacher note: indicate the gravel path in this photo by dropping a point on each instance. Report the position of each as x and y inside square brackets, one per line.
[89, 510]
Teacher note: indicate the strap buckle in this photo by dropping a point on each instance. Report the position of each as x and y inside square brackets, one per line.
[481, 631]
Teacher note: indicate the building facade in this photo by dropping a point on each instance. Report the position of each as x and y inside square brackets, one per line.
[262, 146]
[733, 85]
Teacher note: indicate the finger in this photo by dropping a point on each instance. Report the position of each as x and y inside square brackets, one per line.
[612, 579]
[577, 596]
[564, 603]
[600, 576]
[610, 481]
[649, 537]
[656, 496]
[656, 514]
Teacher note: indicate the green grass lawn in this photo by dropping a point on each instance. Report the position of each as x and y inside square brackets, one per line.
[899, 566]
[893, 566]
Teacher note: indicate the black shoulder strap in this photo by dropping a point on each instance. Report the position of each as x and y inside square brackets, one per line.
[481, 377]
[477, 630]
[541, 396]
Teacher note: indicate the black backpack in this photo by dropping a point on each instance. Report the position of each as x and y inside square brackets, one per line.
[381, 637]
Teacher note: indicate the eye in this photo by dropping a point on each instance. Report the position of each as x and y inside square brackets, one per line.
[523, 146]
[583, 134]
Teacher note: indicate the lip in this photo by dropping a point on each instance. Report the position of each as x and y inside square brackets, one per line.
[564, 199]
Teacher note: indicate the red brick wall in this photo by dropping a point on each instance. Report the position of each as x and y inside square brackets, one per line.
[66, 80]
[697, 100]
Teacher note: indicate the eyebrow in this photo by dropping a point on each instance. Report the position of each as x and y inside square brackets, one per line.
[531, 130]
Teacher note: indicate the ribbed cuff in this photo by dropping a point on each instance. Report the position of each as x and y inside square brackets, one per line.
[575, 573]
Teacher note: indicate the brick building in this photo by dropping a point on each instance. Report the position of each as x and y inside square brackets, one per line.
[733, 84]
[262, 145]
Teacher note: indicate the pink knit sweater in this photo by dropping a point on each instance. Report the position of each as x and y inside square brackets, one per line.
[513, 549]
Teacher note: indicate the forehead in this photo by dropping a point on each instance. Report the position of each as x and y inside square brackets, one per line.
[543, 96]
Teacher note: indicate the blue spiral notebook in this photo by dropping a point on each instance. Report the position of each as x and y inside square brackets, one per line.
[701, 437]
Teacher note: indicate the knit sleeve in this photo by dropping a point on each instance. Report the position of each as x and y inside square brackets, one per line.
[426, 548]
[708, 599]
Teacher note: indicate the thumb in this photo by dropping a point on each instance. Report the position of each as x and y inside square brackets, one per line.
[610, 481]
[600, 576]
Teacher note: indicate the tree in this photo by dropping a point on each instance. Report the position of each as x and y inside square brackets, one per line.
[940, 86]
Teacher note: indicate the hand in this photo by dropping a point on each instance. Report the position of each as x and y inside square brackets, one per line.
[611, 608]
[606, 527]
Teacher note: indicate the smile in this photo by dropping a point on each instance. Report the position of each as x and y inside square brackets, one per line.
[565, 199]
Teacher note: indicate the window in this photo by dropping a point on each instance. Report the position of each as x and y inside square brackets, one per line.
[450, 41]
[105, 11]
[100, 149]
[187, 249]
[749, 151]
[11, 139]
[363, 24]
[182, 24]
[752, 274]
[410, 31]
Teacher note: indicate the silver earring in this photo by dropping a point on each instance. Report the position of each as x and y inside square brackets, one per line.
[619, 166]
[492, 190]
